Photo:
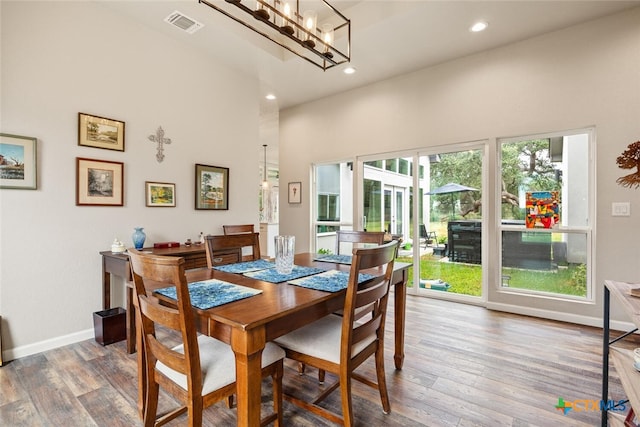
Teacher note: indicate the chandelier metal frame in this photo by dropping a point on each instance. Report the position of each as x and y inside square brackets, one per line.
[290, 32]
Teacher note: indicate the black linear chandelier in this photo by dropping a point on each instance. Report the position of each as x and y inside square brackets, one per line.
[318, 32]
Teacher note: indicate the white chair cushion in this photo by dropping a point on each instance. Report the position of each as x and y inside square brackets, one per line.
[218, 363]
[321, 339]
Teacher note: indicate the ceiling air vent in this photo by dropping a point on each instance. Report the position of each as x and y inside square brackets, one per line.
[183, 22]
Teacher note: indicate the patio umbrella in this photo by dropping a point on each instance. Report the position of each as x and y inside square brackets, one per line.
[451, 188]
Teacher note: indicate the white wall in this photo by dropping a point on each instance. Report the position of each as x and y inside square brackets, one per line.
[581, 76]
[62, 58]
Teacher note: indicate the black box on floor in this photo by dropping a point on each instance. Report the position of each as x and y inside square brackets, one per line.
[110, 325]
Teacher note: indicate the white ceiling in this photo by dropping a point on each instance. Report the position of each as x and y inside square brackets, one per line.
[389, 38]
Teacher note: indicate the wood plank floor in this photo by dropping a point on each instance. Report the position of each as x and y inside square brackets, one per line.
[464, 366]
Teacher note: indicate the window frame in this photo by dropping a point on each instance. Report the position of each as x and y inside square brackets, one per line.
[587, 230]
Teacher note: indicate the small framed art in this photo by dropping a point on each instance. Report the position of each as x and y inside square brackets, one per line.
[99, 182]
[160, 194]
[100, 132]
[212, 187]
[18, 162]
[295, 190]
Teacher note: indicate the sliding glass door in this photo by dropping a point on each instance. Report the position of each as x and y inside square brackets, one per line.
[540, 208]
[450, 227]
[411, 198]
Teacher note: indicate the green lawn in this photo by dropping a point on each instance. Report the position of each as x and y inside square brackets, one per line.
[467, 278]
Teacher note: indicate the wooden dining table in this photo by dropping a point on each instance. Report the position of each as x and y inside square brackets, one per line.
[248, 324]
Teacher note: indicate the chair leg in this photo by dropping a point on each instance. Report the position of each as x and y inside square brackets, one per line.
[195, 413]
[345, 395]
[301, 368]
[321, 375]
[230, 401]
[151, 404]
[277, 393]
[382, 382]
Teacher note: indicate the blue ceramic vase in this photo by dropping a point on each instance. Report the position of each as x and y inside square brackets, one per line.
[138, 237]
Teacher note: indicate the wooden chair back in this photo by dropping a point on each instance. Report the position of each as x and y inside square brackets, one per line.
[151, 272]
[178, 369]
[238, 229]
[366, 304]
[349, 236]
[227, 249]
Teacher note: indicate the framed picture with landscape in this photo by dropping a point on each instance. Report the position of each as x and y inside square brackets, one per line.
[100, 132]
[18, 162]
[160, 194]
[212, 187]
[99, 182]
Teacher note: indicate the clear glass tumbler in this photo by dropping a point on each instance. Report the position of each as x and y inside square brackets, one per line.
[285, 249]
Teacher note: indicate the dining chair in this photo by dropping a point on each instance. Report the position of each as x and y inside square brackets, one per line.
[238, 229]
[349, 236]
[339, 344]
[228, 248]
[200, 370]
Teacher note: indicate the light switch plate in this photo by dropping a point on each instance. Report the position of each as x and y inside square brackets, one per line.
[620, 209]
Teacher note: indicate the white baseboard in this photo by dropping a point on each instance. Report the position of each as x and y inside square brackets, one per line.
[38, 347]
[559, 316]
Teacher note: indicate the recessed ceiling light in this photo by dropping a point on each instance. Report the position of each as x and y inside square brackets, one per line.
[270, 97]
[479, 26]
[349, 70]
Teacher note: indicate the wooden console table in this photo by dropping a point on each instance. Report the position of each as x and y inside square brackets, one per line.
[118, 265]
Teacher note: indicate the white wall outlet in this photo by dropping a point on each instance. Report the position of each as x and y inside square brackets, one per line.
[620, 209]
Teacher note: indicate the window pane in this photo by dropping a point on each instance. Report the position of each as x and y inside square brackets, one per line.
[404, 167]
[372, 205]
[558, 166]
[333, 203]
[391, 165]
[334, 208]
[545, 262]
[399, 213]
[374, 164]
[322, 207]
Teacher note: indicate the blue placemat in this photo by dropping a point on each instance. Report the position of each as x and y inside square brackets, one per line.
[330, 281]
[212, 293]
[244, 267]
[339, 259]
[272, 275]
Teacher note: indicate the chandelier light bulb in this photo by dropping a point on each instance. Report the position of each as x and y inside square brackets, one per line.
[310, 19]
[327, 38]
[286, 26]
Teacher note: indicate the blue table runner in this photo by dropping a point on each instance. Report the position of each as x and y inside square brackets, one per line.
[212, 293]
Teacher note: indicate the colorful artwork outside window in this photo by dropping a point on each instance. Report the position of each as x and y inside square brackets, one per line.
[543, 209]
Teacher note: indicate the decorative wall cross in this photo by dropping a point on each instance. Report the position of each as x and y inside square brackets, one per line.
[160, 140]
